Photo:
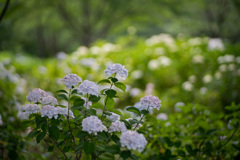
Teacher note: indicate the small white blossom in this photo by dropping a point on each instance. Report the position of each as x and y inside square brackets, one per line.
[63, 111]
[117, 69]
[93, 125]
[117, 126]
[162, 116]
[198, 59]
[22, 115]
[151, 101]
[87, 103]
[49, 100]
[114, 117]
[48, 111]
[71, 80]
[36, 95]
[207, 78]
[133, 140]
[187, 86]
[88, 87]
[203, 90]
[29, 109]
[215, 44]
[135, 92]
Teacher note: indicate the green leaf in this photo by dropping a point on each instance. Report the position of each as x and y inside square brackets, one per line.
[94, 98]
[113, 149]
[103, 136]
[89, 147]
[111, 93]
[40, 120]
[178, 144]
[50, 148]
[125, 154]
[181, 153]
[66, 149]
[33, 133]
[121, 86]
[54, 132]
[81, 134]
[117, 112]
[97, 105]
[188, 148]
[107, 156]
[26, 123]
[62, 91]
[110, 103]
[91, 111]
[127, 124]
[77, 108]
[40, 136]
[133, 121]
[114, 80]
[78, 102]
[74, 91]
[104, 81]
[62, 96]
[116, 139]
[144, 112]
[134, 110]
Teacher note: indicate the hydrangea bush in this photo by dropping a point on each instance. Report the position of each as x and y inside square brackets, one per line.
[86, 126]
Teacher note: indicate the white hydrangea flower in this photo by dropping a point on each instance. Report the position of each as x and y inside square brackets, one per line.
[71, 80]
[22, 115]
[117, 126]
[139, 106]
[135, 124]
[114, 117]
[63, 111]
[88, 87]
[93, 125]
[162, 116]
[187, 86]
[133, 140]
[151, 101]
[49, 100]
[49, 111]
[29, 109]
[117, 69]
[36, 95]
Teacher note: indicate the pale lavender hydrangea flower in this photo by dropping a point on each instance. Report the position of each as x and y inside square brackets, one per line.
[48, 111]
[117, 69]
[63, 111]
[36, 95]
[114, 117]
[141, 107]
[135, 124]
[87, 103]
[151, 101]
[93, 125]
[162, 116]
[49, 100]
[29, 109]
[117, 126]
[88, 87]
[22, 115]
[71, 80]
[133, 140]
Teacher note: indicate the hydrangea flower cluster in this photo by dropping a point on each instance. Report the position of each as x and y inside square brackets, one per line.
[53, 112]
[151, 101]
[117, 126]
[88, 87]
[71, 80]
[36, 95]
[133, 140]
[117, 69]
[28, 109]
[49, 100]
[114, 117]
[87, 103]
[93, 125]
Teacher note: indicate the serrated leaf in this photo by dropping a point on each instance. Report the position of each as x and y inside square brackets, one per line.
[62, 91]
[89, 147]
[62, 96]
[121, 86]
[104, 81]
[111, 93]
[134, 110]
[40, 136]
[94, 98]
[144, 112]
[117, 112]
[113, 149]
[54, 132]
[114, 80]
[116, 139]
[76, 108]
[78, 102]
[33, 133]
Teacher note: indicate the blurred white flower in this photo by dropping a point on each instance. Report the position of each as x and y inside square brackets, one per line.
[42, 69]
[88, 87]
[87, 62]
[164, 61]
[22, 115]
[215, 44]
[231, 67]
[133, 140]
[71, 80]
[139, 106]
[113, 117]
[117, 69]
[218, 75]
[226, 59]
[187, 86]
[192, 78]
[195, 41]
[29, 109]
[95, 50]
[154, 64]
[135, 92]
[109, 47]
[117, 126]
[222, 68]
[198, 59]
[162, 116]
[81, 51]
[207, 78]
[137, 74]
[49, 111]
[159, 51]
[61, 55]
[149, 88]
[178, 105]
[93, 125]
[238, 59]
[87, 103]
[151, 101]
[203, 90]
[36, 95]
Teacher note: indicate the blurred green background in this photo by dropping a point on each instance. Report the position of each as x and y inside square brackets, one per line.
[186, 52]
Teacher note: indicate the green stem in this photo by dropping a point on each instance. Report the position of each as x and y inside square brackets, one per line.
[140, 120]
[105, 104]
